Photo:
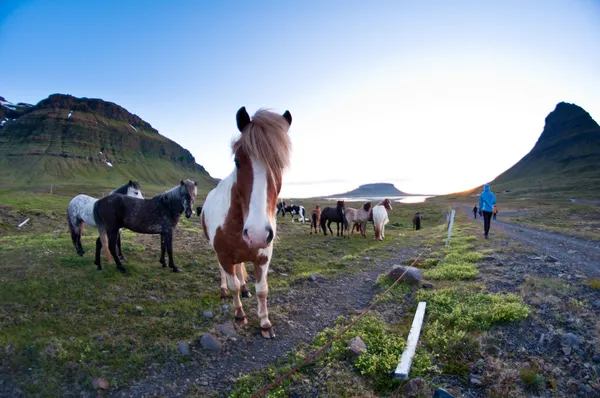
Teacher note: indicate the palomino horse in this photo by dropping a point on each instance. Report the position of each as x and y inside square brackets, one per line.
[315, 217]
[238, 216]
[380, 218]
[330, 214]
[81, 210]
[359, 218]
[158, 215]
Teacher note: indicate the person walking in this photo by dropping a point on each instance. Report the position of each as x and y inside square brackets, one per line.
[475, 212]
[487, 200]
[495, 211]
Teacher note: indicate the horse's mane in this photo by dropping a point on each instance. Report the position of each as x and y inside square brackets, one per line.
[341, 203]
[174, 193]
[266, 140]
[123, 190]
[367, 206]
[384, 202]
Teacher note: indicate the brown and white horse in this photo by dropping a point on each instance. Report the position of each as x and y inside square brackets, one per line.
[238, 216]
[380, 218]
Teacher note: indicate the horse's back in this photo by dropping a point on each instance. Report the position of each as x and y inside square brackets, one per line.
[380, 214]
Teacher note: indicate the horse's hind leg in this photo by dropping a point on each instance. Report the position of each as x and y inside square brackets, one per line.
[233, 283]
[169, 244]
[121, 256]
[112, 246]
[163, 248]
[98, 250]
[223, 282]
[243, 277]
[262, 291]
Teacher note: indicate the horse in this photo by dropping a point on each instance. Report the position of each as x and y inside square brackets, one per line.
[330, 214]
[359, 218]
[281, 208]
[81, 210]
[380, 218]
[238, 216]
[315, 217]
[417, 221]
[293, 209]
[158, 215]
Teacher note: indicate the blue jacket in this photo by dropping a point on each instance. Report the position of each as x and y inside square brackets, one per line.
[487, 199]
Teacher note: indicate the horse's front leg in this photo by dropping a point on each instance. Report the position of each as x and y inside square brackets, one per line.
[233, 283]
[261, 269]
[169, 244]
[163, 249]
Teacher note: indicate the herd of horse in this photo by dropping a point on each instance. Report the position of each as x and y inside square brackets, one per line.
[238, 216]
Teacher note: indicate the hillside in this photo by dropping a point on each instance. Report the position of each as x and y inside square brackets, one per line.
[566, 157]
[64, 139]
[376, 190]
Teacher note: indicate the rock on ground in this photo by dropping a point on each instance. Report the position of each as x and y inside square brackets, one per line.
[99, 383]
[356, 346]
[183, 348]
[209, 342]
[412, 275]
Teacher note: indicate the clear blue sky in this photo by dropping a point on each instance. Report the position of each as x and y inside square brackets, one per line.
[435, 96]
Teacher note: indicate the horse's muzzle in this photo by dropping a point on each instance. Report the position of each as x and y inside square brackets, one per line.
[258, 239]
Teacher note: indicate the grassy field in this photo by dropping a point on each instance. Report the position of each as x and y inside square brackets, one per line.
[62, 321]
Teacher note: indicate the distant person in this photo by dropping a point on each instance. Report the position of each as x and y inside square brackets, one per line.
[475, 212]
[487, 200]
[495, 211]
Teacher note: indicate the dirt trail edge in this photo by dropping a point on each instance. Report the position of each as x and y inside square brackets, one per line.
[312, 307]
[582, 254]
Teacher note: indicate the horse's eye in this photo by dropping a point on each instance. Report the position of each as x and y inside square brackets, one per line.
[237, 164]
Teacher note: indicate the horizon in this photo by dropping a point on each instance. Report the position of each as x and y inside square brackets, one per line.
[434, 98]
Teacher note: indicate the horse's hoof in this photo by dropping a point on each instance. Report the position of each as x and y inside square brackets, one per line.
[268, 333]
[175, 269]
[99, 268]
[123, 270]
[223, 294]
[122, 258]
[164, 265]
[245, 292]
[241, 321]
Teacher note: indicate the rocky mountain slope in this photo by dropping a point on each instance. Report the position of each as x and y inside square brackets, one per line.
[68, 139]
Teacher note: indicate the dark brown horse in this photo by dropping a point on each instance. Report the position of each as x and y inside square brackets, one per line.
[336, 215]
[158, 215]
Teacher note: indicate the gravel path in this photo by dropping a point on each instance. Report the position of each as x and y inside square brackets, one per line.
[298, 314]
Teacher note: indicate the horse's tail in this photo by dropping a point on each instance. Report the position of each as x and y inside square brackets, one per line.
[323, 220]
[102, 231]
[377, 230]
[72, 229]
[198, 211]
[314, 220]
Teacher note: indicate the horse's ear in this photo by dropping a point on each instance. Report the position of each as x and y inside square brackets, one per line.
[130, 183]
[182, 183]
[288, 117]
[242, 118]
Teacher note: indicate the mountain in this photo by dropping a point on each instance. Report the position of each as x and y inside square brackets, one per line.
[377, 190]
[64, 139]
[566, 157]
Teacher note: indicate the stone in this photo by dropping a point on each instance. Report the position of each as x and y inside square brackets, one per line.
[227, 330]
[98, 383]
[567, 349]
[427, 285]
[476, 381]
[196, 262]
[138, 309]
[596, 303]
[356, 346]
[183, 348]
[100, 338]
[541, 341]
[570, 339]
[414, 387]
[313, 277]
[225, 308]
[596, 357]
[551, 259]
[499, 264]
[488, 258]
[209, 342]
[412, 275]
[208, 314]
[441, 393]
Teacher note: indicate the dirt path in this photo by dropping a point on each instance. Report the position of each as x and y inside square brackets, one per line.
[580, 255]
[298, 314]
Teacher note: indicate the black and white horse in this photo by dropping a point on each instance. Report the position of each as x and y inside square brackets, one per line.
[281, 208]
[293, 210]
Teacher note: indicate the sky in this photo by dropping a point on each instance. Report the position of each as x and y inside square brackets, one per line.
[433, 96]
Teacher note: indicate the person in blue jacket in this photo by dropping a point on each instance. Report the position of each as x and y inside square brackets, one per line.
[487, 200]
